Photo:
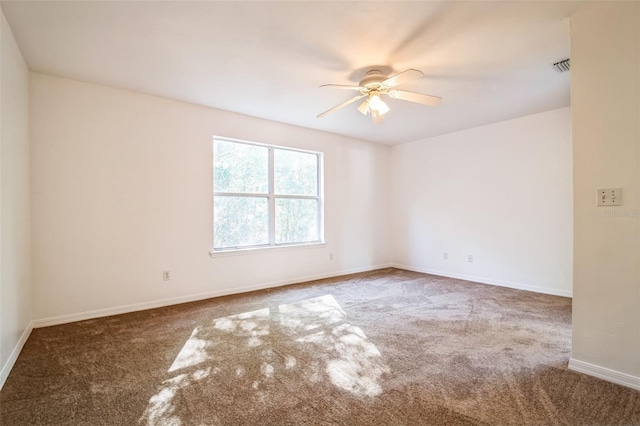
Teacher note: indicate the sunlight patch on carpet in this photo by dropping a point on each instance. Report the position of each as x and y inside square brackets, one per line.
[356, 365]
[257, 350]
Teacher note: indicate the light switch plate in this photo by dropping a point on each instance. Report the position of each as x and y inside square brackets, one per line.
[609, 197]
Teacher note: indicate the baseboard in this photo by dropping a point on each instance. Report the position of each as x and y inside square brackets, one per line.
[6, 368]
[117, 310]
[482, 280]
[603, 373]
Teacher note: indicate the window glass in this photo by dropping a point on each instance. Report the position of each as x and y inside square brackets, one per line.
[240, 221]
[296, 220]
[295, 173]
[240, 168]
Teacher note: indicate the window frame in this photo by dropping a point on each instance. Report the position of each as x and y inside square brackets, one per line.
[272, 197]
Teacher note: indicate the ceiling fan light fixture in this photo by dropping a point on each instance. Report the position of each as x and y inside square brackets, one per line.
[364, 107]
[376, 117]
[377, 104]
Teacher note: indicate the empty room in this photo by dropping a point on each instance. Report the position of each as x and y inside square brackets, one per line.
[319, 212]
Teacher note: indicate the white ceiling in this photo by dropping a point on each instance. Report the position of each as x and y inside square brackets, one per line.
[489, 61]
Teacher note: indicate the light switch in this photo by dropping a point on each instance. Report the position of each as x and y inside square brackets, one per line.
[610, 197]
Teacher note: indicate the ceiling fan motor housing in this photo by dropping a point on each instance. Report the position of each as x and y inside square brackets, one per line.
[373, 79]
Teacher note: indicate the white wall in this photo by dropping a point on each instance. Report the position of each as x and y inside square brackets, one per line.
[121, 190]
[501, 192]
[15, 266]
[605, 87]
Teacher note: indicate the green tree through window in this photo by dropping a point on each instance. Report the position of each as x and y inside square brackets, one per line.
[265, 195]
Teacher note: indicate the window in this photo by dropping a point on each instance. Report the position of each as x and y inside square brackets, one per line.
[265, 195]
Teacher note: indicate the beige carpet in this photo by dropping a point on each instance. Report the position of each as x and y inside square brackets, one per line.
[388, 347]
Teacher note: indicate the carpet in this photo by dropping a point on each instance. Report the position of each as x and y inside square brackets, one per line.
[388, 347]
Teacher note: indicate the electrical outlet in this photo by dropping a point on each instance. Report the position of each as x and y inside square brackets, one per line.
[445, 255]
[470, 258]
[166, 275]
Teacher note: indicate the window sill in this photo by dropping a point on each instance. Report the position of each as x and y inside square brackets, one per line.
[261, 250]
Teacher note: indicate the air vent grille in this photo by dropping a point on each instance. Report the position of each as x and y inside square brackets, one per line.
[563, 66]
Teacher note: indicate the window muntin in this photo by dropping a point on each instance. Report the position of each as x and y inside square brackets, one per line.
[265, 195]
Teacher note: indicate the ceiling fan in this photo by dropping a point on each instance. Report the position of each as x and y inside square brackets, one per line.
[376, 84]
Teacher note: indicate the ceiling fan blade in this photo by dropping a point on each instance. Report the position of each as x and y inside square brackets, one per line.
[415, 97]
[342, 86]
[376, 117]
[364, 107]
[403, 77]
[342, 105]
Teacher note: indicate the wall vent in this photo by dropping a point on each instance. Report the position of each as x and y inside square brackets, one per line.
[563, 66]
